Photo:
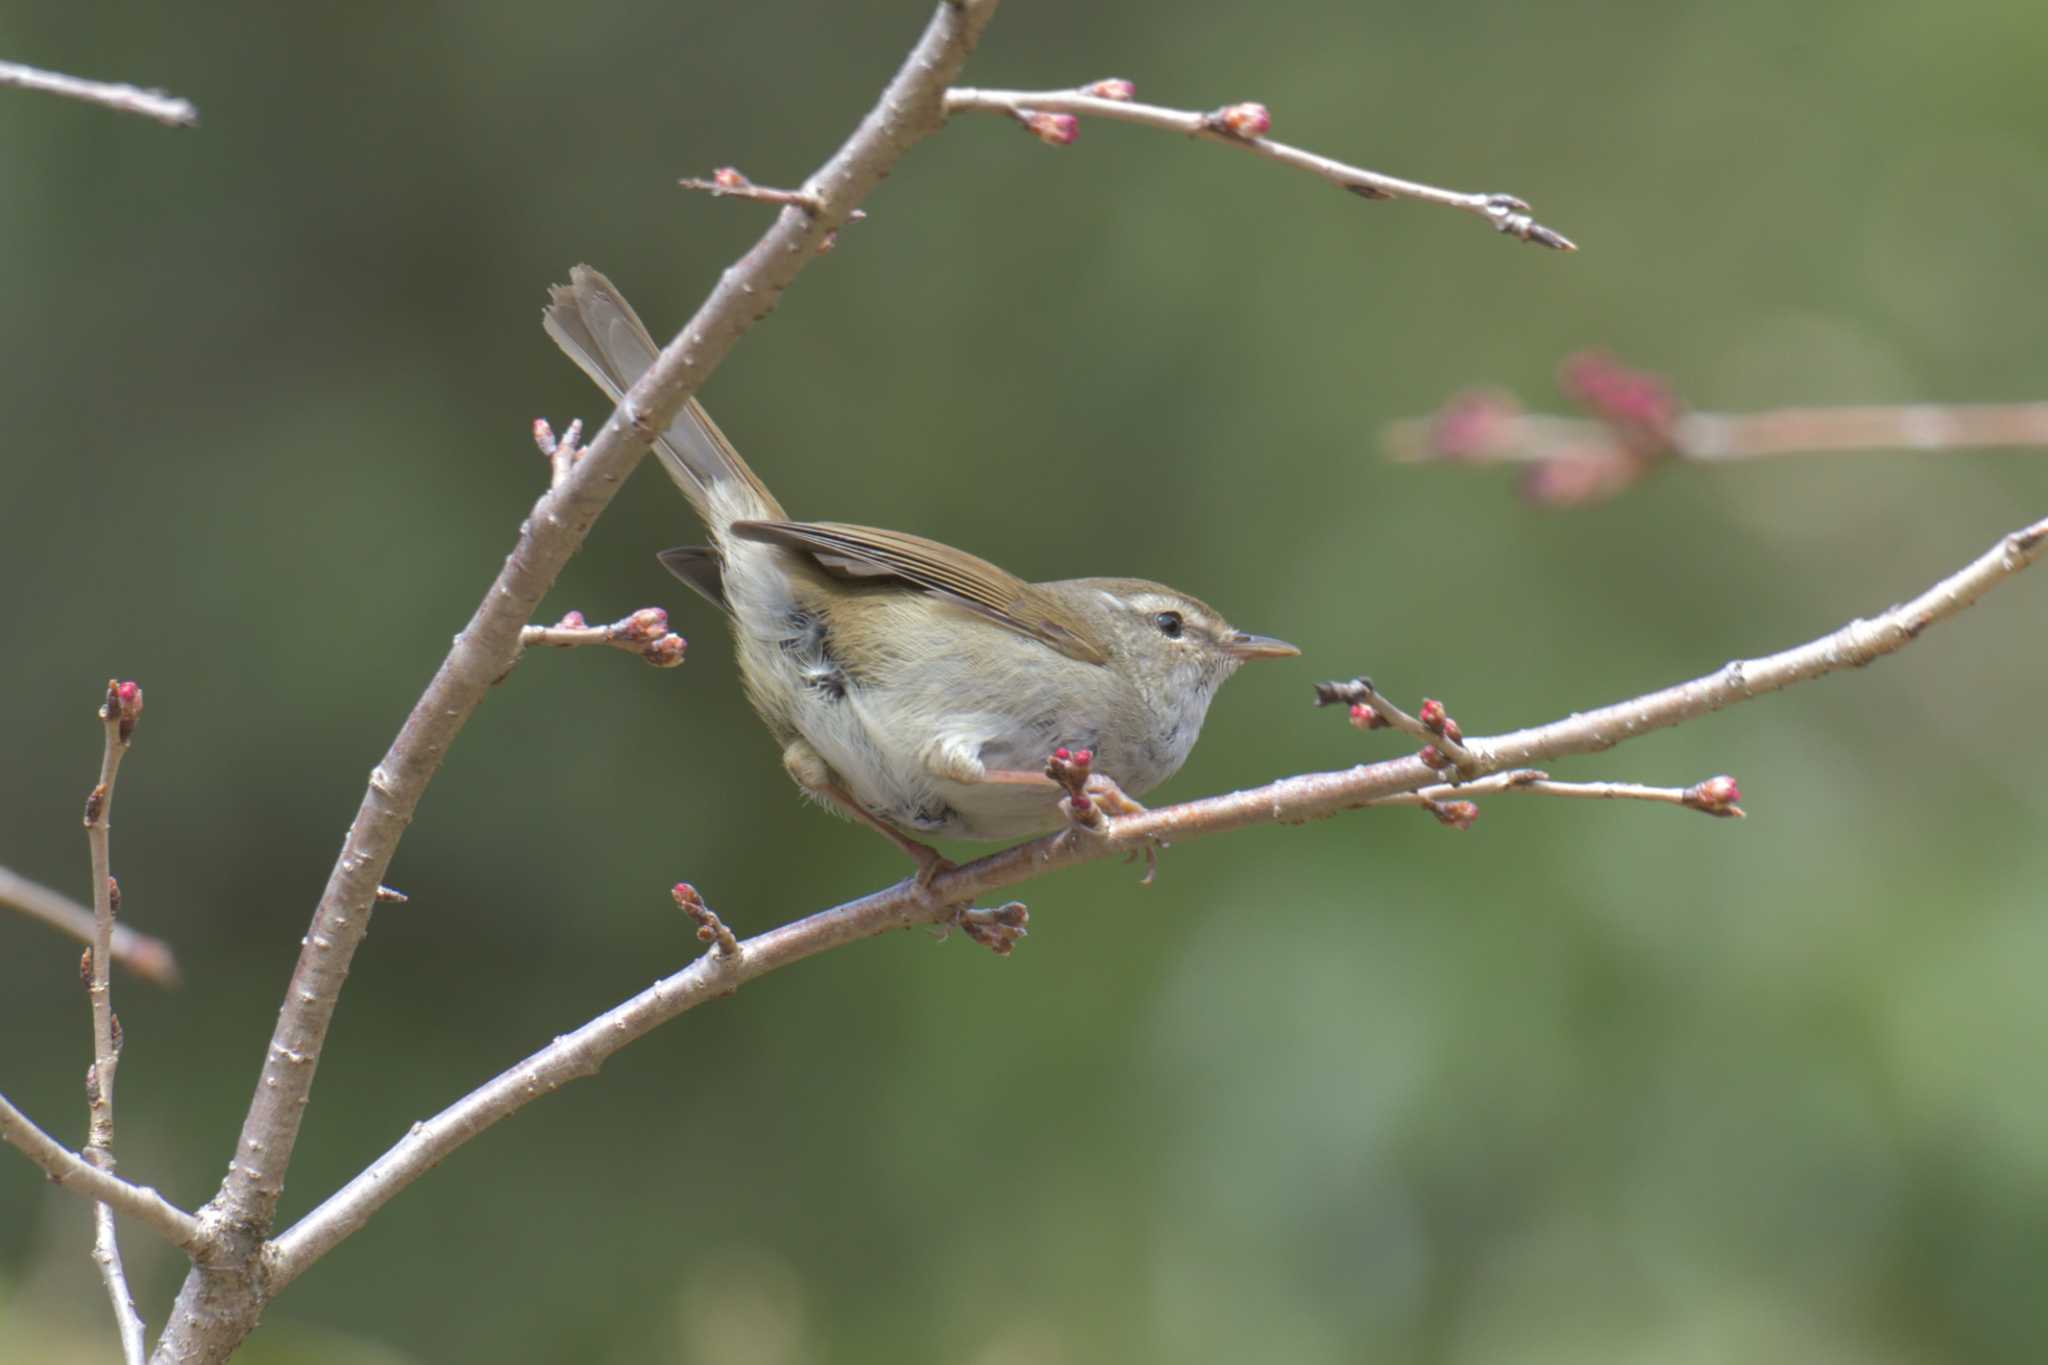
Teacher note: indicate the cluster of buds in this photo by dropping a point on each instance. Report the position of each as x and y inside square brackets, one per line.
[1246, 121]
[710, 928]
[996, 930]
[1438, 721]
[1111, 88]
[1072, 768]
[1715, 796]
[648, 629]
[123, 705]
[645, 633]
[1055, 130]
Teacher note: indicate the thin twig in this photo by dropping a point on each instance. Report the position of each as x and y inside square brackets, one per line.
[70, 1170]
[1713, 796]
[128, 99]
[1291, 800]
[1714, 437]
[219, 1304]
[1443, 741]
[149, 958]
[644, 633]
[1504, 211]
[118, 714]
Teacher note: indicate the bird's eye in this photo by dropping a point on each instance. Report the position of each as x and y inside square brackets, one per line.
[1168, 623]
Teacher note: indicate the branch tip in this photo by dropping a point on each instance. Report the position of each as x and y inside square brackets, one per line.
[710, 928]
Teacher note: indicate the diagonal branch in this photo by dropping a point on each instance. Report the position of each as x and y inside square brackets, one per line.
[65, 1167]
[149, 958]
[1290, 800]
[221, 1301]
[127, 99]
[1241, 126]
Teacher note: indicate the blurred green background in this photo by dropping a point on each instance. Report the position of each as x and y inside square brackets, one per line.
[1586, 1084]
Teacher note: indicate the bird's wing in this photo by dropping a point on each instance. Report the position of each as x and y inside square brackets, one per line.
[862, 552]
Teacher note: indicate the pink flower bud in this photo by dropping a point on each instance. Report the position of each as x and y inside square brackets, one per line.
[1456, 814]
[666, 652]
[1431, 756]
[1113, 88]
[1242, 120]
[1716, 796]
[648, 623]
[1061, 754]
[729, 178]
[1055, 130]
[1363, 717]
[572, 621]
[1432, 714]
[1083, 757]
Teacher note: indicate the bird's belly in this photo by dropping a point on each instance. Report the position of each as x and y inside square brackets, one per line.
[907, 761]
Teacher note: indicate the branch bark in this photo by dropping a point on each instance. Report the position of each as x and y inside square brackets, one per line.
[1291, 800]
[224, 1294]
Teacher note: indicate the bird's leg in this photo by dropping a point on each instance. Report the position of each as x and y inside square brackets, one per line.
[930, 862]
[809, 770]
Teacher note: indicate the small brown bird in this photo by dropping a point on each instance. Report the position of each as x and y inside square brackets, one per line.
[911, 685]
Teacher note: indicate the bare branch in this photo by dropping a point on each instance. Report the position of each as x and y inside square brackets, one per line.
[67, 1168]
[219, 1304]
[1713, 796]
[1242, 126]
[149, 958]
[118, 715]
[128, 99]
[644, 633]
[1291, 800]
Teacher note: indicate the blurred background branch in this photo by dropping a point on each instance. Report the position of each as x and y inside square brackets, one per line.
[128, 99]
[1639, 425]
[149, 958]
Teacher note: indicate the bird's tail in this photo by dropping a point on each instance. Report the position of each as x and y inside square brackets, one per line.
[592, 321]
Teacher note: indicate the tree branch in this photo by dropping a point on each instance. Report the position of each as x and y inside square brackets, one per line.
[149, 958]
[1291, 800]
[1241, 126]
[118, 714]
[128, 99]
[1638, 424]
[65, 1167]
[223, 1297]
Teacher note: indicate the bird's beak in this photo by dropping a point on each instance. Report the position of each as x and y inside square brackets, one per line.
[1239, 645]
